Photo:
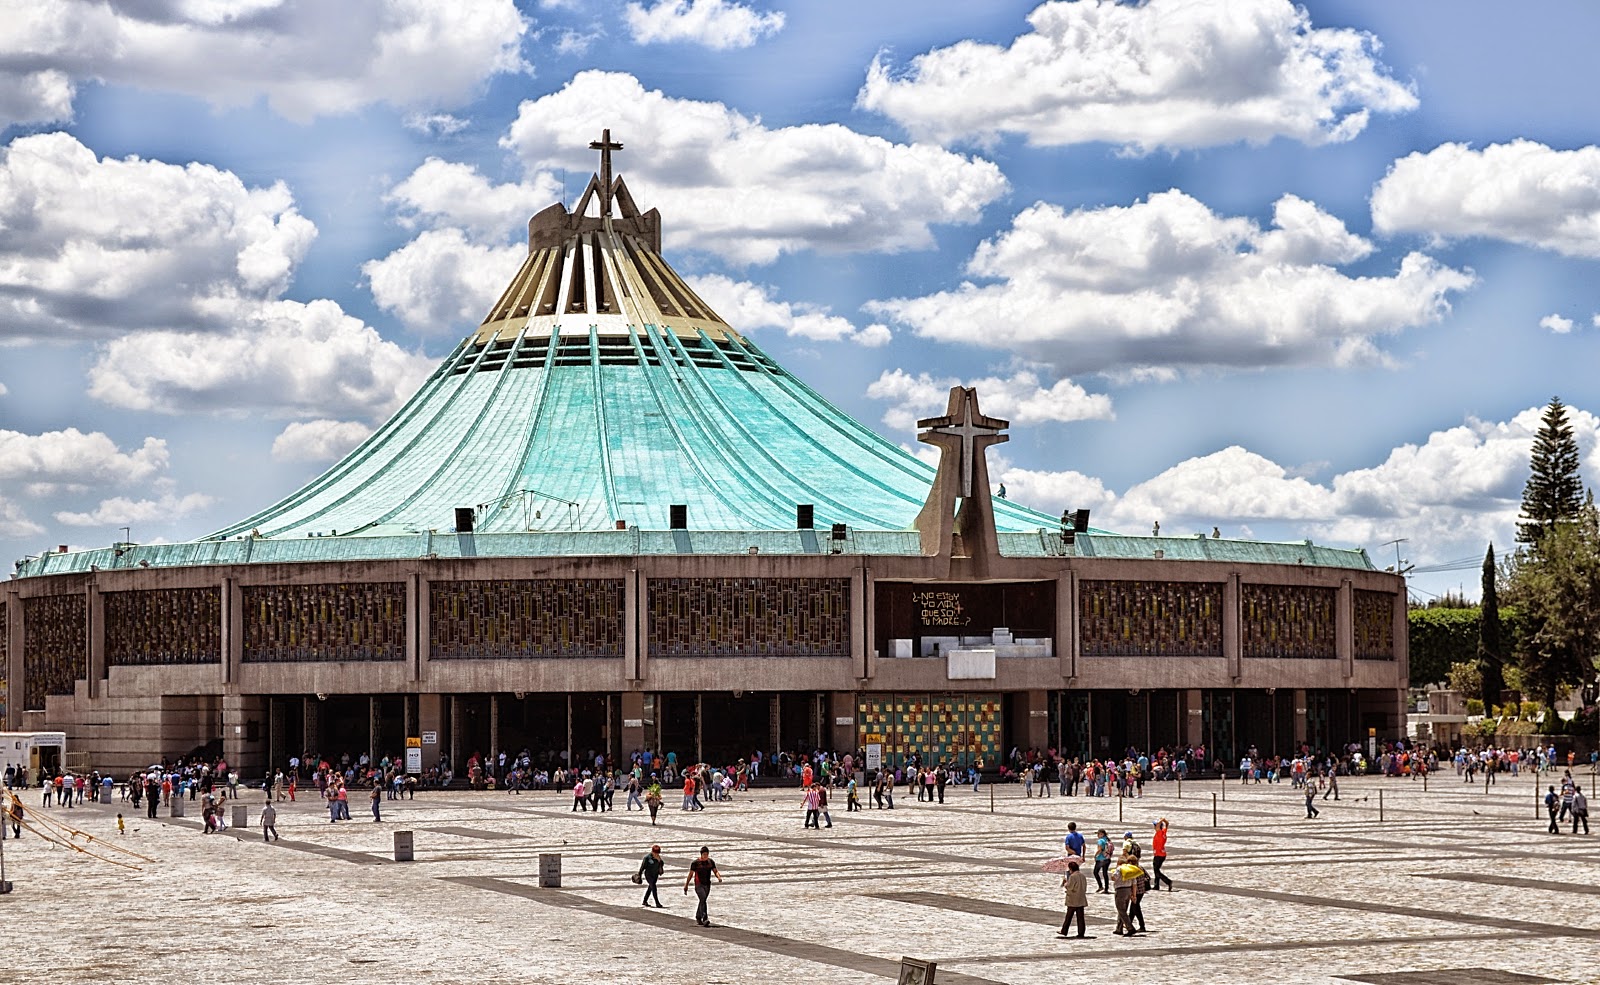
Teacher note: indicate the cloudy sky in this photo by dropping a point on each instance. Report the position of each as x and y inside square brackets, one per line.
[1292, 271]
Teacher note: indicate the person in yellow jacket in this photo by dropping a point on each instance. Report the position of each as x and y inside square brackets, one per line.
[1126, 878]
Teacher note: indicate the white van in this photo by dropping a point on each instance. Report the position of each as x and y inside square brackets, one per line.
[23, 754]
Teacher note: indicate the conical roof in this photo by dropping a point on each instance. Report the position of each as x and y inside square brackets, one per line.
[600, 389]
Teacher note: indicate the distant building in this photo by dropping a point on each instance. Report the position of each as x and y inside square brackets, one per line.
[609, 522]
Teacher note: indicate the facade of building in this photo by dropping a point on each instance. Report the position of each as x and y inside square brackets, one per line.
[610, 522]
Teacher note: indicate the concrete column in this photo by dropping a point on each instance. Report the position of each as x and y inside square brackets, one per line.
[1194, 717]
[1344, 629]
[96, 605]
[632, 721]
[1232, 626]
[842, 708]
[775, 724]
[430, 718]
[494, 726]
[1067, 624]
[1300, 724]
[416, 627]
[869, 625]
[699, 725]
[14, 688]
[243, 744]
[859, 604]
[232, 630]
[1402, 643]
[633, 645]
[1037, 705]
[374, 716]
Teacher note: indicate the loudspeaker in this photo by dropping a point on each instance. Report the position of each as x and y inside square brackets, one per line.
[804, 517]
[838, 531]
[1080, 521]
[464, 517]
[679, 513]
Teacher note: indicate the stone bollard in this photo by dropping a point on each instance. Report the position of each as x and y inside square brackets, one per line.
[241, 817]
[549, 871]
[177, 808]
[403, 847]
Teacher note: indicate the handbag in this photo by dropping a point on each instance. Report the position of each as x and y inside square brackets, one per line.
[638, 879]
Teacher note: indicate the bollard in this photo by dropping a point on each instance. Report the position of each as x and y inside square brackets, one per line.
[1224, 785]
[549, 871]
[404, 847]
[1213, 810]
[991, 798]
[1119, 810]
[1180, 788]
[241, 817]
[176, 807]
[1380, 806]
[1424, 782]
[1538, 802]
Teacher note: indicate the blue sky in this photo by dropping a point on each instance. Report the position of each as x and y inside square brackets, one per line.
[1290, 271]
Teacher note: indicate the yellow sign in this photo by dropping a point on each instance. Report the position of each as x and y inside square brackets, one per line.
[414, 742]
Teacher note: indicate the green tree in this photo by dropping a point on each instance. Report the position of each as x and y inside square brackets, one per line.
[1440, 637]
[1556, 585]
[1554, 492]
[1491, 657]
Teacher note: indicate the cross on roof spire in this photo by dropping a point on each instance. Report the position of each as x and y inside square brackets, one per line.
[605, 145]
[972, 427]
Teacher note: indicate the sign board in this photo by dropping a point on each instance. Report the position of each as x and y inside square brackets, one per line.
[413, 742]
[1038, 713]
[430, 738]
[844, 720]
[413, 759]
[914, 972]
[633, 723]
[874, 756]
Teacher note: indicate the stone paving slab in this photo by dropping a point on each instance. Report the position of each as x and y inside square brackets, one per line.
[1450, 881]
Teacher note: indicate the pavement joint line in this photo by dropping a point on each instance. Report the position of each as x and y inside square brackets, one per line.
[1542, 884]
[718, 934]
[1130, 952]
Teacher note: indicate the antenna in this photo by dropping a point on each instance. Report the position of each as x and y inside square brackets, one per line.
[1398, 564]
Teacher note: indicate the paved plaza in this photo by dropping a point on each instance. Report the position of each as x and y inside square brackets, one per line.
[1452, 885]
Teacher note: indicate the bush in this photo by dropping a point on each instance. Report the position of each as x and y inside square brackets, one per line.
[1474, 706]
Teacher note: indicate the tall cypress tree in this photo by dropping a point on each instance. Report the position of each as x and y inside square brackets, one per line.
[1491, 659]
[1554, 492]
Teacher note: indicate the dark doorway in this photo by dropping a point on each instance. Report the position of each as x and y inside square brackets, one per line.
[738, 725]
[680, 727]
[345, 727]
[536, 723]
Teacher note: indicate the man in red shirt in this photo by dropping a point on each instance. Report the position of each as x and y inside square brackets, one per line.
[1158, 851]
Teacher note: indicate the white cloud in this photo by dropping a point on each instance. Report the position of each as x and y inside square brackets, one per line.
[305, 57]
[286, 359]
[2, 389]
[93, 247]
[571, 42]
[1458, 489]
[1053, 492]
[434, 124]
[15, 523]
[442, 194]
[715, 24]
[121, 511]
[748, 307]
[318, 441]
[73, 459]
[1163, 73]
[1167, 285]
[1018, 398]
[441, 283]
[728, 185]
[1522, 192]
[1556, 324]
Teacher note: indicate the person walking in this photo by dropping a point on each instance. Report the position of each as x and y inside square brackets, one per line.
[811, 807]
[1580, 809]
[1311, 802]
[650, 870]
[1077, 897]
[1124, 880]
[822, 805]
[701, 871]
[1102, 861]
[652, 800]
[269, 821]
[16, 814]
[377, 801]
[1552, 804]
[1158, 855]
